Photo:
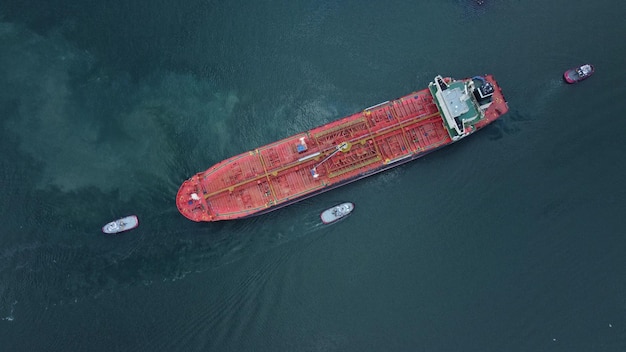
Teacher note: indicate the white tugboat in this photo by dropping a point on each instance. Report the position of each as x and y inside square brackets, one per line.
[337, 212]
[121, 225]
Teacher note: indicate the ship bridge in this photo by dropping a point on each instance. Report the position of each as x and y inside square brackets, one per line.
[457, 105]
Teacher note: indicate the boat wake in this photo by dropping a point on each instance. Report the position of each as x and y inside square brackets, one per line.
[10, 317]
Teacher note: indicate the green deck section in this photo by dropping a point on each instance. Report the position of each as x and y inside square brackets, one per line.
[452, 105]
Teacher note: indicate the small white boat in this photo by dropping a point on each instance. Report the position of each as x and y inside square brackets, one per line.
[337, 212]
[121, 225]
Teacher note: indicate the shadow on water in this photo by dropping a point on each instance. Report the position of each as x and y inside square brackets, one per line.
[509, 124]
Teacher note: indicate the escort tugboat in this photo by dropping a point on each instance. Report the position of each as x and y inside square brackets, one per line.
[337, 212]
[121, 225]
[577, 74]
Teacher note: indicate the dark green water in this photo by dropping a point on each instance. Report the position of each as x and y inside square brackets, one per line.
[511, 240]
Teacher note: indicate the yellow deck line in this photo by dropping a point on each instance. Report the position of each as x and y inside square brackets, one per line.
[267, 176]
[255, 209]
[406, 140]
[324, 153]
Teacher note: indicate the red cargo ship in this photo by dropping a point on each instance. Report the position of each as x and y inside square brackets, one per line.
[380, 137]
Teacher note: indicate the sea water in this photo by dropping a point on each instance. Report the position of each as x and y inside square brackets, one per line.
[511, 240]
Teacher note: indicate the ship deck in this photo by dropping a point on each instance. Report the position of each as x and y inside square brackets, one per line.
[316, 160]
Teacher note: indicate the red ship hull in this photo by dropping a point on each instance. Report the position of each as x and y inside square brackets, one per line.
[323, 158]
